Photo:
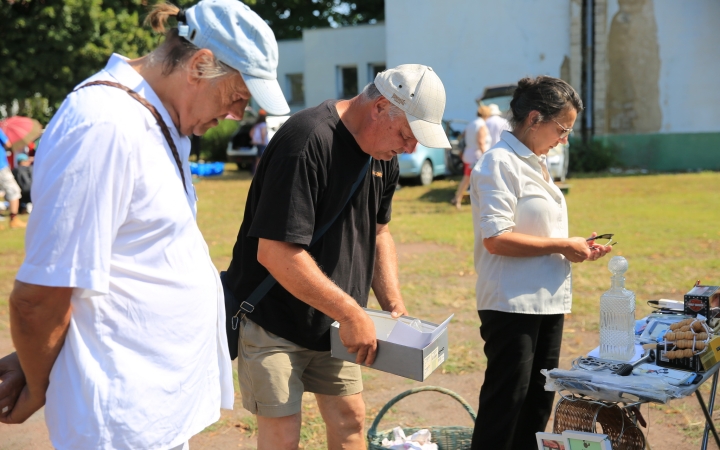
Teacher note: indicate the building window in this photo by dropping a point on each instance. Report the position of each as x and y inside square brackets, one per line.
[295, 88]
[347, 82]
[373, 70]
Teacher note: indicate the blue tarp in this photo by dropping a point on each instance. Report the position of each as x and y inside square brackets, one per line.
[209, 169]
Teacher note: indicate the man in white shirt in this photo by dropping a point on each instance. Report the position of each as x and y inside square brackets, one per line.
[117, 312]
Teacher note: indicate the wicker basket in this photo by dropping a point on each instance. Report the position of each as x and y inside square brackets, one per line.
[446, 437]
[583, 415]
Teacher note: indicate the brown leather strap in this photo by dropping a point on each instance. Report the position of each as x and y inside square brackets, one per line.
[153, 111]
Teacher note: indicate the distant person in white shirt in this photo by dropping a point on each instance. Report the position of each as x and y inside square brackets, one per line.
[522, 258]
[117, 312]
[496, 123]
[477, 141]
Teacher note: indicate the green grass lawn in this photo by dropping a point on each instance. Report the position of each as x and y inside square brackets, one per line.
[666, 226]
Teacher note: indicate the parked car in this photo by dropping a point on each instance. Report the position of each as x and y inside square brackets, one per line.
[455, 128]
[423, 165]
[559, 156]
[426, 164]
[240, 149]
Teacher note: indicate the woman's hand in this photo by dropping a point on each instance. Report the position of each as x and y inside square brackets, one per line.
[598, 251]
[577, 249]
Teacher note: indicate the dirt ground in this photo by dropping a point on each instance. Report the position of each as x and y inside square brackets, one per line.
[671, 427]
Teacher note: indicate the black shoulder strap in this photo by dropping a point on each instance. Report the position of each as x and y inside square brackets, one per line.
[263, 288]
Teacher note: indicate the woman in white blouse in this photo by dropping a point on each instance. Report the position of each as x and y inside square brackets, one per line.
[522, 258]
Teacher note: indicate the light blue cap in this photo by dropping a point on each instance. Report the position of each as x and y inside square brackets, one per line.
[240, 38]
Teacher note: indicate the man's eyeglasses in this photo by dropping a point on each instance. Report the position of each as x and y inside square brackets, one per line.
[602, 238]
[565, 131]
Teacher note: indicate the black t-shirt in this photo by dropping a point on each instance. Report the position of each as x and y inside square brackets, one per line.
[303, 180]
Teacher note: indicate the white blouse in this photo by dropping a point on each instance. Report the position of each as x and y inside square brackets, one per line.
[509, 193]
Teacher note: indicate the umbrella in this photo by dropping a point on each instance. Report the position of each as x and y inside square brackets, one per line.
[21, 131]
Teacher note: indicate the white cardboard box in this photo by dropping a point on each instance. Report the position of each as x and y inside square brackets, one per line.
[401, 350]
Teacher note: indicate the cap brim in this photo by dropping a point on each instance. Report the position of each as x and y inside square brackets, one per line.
[428, 134]
[268, 94]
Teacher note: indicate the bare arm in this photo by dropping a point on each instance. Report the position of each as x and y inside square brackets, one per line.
[39, 320]
[385, 283]
[482, 138]
[296, 271]
[575, 249]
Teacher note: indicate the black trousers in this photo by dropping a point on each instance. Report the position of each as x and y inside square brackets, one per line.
[513, 402]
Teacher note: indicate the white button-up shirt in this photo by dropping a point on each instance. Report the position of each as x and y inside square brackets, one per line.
[509, 193]
[145, 363]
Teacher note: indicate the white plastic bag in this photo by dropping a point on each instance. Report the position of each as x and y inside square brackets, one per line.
[420, 440]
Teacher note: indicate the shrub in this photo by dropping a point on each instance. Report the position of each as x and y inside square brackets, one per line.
[594, 156]
[214, 143]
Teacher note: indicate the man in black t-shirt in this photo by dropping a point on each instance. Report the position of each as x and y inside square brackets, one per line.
[303, 180]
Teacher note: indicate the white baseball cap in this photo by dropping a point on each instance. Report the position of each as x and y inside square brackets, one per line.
[418, 91]
[238, 37]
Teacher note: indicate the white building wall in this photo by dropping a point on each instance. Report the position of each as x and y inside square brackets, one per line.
[689, 41]
[472, 44]
[291, 60]
[327, 48]
[687, 37]
[477, 43]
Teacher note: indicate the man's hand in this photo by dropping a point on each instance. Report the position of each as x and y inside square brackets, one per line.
[12, 382]
[397, 310]
[27, 404]
[296, 271]
[39, 320]
[16, 402]
[358, 335]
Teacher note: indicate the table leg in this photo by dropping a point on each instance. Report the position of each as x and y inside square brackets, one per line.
[709, 425]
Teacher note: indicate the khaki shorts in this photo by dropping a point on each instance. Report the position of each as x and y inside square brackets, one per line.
[274, 372]
[8, 184]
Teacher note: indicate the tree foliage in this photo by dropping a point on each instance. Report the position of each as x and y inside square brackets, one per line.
[288, 18]
[47, 47]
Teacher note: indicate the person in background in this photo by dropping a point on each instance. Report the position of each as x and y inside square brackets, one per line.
[117, 312]
[23, 173]
[8, 183]
[259, 137]
[477, 141]
[496, 123]
[522, 258]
